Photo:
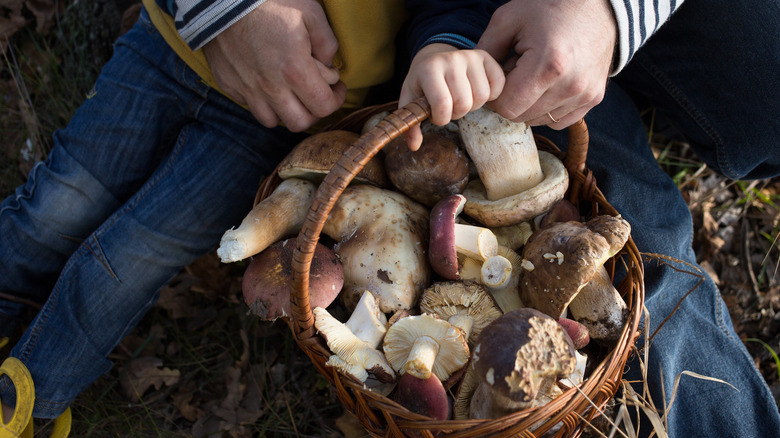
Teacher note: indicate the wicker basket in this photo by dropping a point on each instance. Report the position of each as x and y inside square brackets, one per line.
[380, 415]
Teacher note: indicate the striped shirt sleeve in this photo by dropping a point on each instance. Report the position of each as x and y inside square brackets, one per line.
[637, 20]
[199, 21]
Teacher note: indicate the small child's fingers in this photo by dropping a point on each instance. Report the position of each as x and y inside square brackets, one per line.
[414, 138]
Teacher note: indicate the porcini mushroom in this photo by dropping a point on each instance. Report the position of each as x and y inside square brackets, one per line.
[351, 355]
[600, 308]
[464, 304]
[423, 345]
[382, 238]
[267, 282]
[314, 157]
[438, 169]
[564, 257]
[279, 215]
[516, 181]
[517, 356]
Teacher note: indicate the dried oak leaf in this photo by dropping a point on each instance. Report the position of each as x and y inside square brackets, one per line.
[143, 373]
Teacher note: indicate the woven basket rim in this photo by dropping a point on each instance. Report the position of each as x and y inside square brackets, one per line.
[383, 417]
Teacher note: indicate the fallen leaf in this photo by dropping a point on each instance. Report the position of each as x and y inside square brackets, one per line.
[145, 372]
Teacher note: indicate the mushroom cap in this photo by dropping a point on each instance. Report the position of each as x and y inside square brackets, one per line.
[452, 350]
[454, 300]
[565, 256]
[521, 353]
[423, 396]
[442, 253]
[267, 283]
[382, 239]
[438, 169]
[522, 206]
[314, 157]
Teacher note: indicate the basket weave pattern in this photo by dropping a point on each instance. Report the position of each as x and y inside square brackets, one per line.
[380, 415]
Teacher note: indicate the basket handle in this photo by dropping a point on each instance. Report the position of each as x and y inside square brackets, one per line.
[345, 169]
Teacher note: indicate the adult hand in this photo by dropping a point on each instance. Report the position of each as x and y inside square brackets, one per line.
[453, 81]
[277, 61]
[557, 54]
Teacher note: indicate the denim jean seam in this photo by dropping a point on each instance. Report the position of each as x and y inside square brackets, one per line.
[675, 93]
[26, 194]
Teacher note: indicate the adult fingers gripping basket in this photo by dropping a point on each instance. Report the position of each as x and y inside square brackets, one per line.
[568, 413]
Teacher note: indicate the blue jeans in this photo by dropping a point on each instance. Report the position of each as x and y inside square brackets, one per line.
[146, 177]
[714, 70]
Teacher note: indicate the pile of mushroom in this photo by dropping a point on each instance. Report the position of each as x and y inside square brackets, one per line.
[460, 268]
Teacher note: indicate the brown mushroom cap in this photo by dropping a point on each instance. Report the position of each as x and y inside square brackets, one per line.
[314, 157]
[423, 396]
[465, 304]
[438, 169]
[267, 282]
[564, 257]
[521, 353]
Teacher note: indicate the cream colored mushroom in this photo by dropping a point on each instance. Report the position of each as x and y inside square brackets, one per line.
[516, 181]
[382, 238]
[279, 215]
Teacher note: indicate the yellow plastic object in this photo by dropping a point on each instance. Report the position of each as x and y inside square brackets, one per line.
[21, 424]
[25, 398]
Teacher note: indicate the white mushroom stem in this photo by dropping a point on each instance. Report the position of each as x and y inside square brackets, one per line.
[508, 296]
[279, 215]
[599, 307]
[352, 355]
[422, 356]
[503, 152]
[367, 322]
[496, 272]
[478, 243]
[462, 321]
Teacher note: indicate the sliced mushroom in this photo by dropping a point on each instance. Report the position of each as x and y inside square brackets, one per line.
[351, 355]
[464, 304]
[516, 181]
[564, 257]
[519, 355]
[423, 345]
[279, 215]
[382, 239]
[267, 283]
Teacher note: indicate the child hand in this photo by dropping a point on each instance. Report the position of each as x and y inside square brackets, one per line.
[453, 81]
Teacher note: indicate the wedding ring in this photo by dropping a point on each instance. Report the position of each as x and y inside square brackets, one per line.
[551, 117]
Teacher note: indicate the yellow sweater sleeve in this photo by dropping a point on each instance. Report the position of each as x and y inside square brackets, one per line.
[365, 30]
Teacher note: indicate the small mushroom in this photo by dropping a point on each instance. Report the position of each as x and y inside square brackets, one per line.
[267, 282]
[516, 181]
[438, 169]
[314, 157]
[450, 238]
[564, 257]
[276, 217]
[505, 290]
[367, 321]
[465, 304]
[351, 355]
[423, 345]
[382, 239]
[519, 355]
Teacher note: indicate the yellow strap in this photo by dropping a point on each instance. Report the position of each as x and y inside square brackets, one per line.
[25, 397]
